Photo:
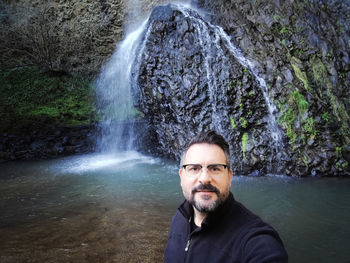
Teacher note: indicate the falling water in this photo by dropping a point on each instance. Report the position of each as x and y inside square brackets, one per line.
[211, 49]
[116, 81]
[272, 123]
[115, 96]
[207, 32]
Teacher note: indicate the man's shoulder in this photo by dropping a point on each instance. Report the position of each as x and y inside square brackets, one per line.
[250, 237]
[248, 223]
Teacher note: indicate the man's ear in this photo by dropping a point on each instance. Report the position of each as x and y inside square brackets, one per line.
[180, 172]
[230, 174]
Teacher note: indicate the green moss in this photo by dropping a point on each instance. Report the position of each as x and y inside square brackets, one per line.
[301, 75]
[45, 110]
[296, 110]
[326, 117]
[309, 128]
[338, 151]
[32, 98]
[231, 85]
[288, 117]
[320, 73]
[243, 122]
[276, 17]
[245, 139]
[297, 98]
[233, 123]
[321, 78]
[285, 30]
[291, 135]
[304, 159]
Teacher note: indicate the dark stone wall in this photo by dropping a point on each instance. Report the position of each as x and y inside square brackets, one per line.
[47, 143]
[299, 48]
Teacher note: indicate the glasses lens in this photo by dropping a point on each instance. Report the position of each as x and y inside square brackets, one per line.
[193, 169]
[196, 169]
[216, 168]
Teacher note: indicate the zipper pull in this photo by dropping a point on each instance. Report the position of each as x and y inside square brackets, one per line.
[188, 244]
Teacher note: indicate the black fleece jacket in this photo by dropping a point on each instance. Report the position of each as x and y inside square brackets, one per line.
[230, 234]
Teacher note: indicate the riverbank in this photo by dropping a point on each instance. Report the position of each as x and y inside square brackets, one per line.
[47, 143]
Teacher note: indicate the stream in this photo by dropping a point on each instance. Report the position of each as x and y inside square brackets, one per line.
[117, 208]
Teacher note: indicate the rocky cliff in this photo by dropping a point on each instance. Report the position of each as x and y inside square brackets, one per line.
[303, 49]
[74, 37]
[273, 78]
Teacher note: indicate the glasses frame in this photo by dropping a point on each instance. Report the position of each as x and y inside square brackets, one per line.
[185, 165]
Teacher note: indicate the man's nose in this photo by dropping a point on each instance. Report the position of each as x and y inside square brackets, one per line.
[204, 176]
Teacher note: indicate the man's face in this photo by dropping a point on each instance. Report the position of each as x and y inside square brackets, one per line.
[205, 191]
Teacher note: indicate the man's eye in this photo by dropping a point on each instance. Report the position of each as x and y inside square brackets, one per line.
[215, 168]
[194, 168]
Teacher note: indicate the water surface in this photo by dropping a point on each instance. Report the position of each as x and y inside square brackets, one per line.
[117, 208]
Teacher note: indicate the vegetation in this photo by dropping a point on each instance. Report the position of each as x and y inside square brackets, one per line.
[243, 122]
[339, 112]
[233, 123]
[245, 139]
[296, 110]
[33, 98]
[34, 33]
[301, 75]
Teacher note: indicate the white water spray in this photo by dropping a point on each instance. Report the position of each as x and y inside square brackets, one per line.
[115, 97]
[115, 83]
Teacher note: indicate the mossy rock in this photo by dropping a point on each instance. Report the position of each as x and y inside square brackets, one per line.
[32, 98]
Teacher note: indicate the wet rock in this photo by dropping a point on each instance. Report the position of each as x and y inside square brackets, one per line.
[48, 143]
[284, 41]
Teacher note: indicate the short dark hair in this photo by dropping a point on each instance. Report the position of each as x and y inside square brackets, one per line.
[210, 137]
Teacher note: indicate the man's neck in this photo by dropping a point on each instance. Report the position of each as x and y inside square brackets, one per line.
[198, 217]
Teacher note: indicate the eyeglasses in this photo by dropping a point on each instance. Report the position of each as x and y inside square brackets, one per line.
[196, 169]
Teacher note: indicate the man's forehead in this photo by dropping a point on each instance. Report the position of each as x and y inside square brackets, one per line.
[205, 152]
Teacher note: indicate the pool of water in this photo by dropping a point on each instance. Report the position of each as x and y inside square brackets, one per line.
[104, 208]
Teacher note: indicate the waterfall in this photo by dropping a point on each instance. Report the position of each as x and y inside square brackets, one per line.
[272, 123]
[207, 32]
[115, 97]
[210, 50]
[121, 75]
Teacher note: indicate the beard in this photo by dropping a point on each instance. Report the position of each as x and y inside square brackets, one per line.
[206, 204]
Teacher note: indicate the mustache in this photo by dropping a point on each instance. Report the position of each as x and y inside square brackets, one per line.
[208, 187]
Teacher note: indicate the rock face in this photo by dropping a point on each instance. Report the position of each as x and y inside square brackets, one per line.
[304, 51]
[191, 79]
[282, 102]
[54, 142]
[75, 37]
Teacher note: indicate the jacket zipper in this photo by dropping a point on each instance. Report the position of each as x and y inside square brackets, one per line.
[188, 245]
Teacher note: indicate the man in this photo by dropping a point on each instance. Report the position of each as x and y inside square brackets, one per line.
[210, 226]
